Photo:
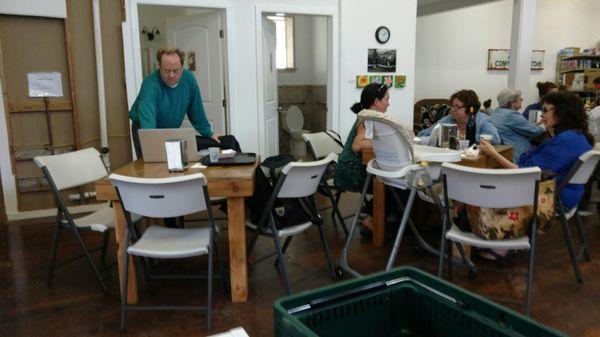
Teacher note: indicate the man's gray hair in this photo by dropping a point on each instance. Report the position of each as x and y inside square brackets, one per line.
[507, 96]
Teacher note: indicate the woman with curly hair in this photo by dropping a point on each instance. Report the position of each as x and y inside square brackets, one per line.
[464, 112]
[566, 122]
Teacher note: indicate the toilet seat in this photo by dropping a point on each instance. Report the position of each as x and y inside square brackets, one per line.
[294, 119]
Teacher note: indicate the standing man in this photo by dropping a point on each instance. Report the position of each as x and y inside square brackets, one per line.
[166, 96]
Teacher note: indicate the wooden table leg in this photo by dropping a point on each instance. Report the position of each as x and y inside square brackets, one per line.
[120, 225]
[378, 213]
[238, 267]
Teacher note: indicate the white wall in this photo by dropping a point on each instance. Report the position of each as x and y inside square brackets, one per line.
[46, 8]
[310, 52]
[359, 20]
[357, 23]
[452, 46]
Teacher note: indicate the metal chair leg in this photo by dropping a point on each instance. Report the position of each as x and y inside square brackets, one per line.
[327, 252]
[336, 211]
[569, 241]
[405, 217]
[221, 267]
[147, 274]
[124, 293]
[582, 239]
[50, 278]
[530, 276]
[280, 256]
[210, 289]
[105, 239]
[286, 244]
[90, 259]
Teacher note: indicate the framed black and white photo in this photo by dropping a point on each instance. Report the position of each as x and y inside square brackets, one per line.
[381, 61]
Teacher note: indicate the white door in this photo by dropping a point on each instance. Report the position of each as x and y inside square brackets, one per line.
[200, 37]
[271, 120]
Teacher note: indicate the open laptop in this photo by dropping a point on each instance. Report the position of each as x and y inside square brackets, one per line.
[153, 143]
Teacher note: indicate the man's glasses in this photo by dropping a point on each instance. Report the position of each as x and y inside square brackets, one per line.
[457, 107]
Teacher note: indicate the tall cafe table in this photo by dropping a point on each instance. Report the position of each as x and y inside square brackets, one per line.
[233, 182]
[378, 223]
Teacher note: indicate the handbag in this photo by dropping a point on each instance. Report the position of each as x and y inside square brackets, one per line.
[511, 223]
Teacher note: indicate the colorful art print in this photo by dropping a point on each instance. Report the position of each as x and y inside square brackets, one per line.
[388, 80]
[399, 81]
[381, 60]
[375, 79]
[362, 81]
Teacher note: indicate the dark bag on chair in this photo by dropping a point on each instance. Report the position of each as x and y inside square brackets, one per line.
[288, 212]
[227, 142]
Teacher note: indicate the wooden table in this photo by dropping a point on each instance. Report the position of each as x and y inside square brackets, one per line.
[378, 223]
[233, 182]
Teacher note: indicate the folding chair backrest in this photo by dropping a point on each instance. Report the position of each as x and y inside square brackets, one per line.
[302, 178]
[492, 188]
[74, 168]
[321, 144]
[162, 197]
[391, 147]
[584, 167]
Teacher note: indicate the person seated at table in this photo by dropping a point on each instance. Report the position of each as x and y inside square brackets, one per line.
[350, 173]
[471, 123]
[543, 89]
[514, 129]
[564, 117]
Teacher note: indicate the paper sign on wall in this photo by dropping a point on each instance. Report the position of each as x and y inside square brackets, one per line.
[45, 84]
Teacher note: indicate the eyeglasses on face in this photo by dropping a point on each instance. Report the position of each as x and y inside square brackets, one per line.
[457, 107]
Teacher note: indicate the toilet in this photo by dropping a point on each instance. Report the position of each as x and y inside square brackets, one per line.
[292, 121]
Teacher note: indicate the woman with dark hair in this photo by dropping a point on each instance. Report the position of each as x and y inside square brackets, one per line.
[543, 89]
[471, 123]
[566, 122]
[350, 173]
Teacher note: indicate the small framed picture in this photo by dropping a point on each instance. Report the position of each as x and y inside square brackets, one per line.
[362, 81]
[375, 79]
[399, 81]
[388, 80]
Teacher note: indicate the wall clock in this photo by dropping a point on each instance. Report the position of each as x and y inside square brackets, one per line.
[382, 34]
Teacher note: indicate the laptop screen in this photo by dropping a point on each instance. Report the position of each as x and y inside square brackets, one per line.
[152, 142]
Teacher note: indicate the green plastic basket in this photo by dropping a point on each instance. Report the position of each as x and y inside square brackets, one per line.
[401, 302]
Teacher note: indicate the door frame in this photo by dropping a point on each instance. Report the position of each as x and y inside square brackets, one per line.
[133, 54]
[333, 68]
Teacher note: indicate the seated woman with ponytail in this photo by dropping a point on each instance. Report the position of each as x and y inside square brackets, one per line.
[350, 173]
[465, 114]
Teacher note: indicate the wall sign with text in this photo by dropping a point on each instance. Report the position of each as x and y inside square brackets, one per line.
[499, 59]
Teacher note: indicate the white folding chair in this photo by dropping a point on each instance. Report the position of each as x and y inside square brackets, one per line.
[298, 180]
[580, 173]
[394, 166]
[67, 171]
[489, 188]
[166, 198]
[320, 145]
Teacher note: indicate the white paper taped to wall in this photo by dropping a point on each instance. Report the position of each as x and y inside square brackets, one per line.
[45, 84]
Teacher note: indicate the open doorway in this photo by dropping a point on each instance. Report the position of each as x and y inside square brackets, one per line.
[295, 54]
[198, 32]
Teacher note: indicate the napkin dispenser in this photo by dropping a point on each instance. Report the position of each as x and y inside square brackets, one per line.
[449, 134]
[176, 150]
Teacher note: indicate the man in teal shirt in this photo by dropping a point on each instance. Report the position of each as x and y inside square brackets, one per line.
[166, 96]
